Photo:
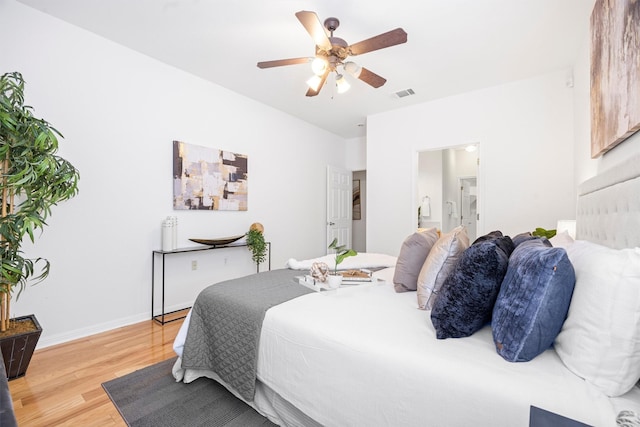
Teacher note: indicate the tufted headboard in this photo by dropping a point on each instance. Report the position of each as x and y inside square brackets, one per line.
[608, 211]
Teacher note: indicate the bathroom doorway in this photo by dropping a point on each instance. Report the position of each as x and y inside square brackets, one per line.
[447, 189]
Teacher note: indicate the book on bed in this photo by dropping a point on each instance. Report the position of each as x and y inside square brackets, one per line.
[359, 275]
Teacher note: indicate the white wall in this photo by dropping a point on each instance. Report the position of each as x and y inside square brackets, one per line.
[119, 112]
[430, 184]
[525, 178]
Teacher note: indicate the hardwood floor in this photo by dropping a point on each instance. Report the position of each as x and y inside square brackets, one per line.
[63, 384]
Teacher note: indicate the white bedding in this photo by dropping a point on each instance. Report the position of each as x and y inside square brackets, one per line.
[365, 356]
[363, 260]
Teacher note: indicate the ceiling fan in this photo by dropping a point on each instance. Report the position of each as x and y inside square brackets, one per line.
[332, 52]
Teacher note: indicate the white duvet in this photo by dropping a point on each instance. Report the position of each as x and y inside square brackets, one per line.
[362, 260]
[365, 356]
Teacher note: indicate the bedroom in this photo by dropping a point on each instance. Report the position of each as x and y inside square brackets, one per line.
[113, 107]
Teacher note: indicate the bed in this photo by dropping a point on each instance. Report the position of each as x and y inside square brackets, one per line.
[365, 355]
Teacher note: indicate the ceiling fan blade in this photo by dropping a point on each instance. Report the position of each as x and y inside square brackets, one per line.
[281, 62]
[314, 27]
[311, 92]
[371, 78]
[390, 38]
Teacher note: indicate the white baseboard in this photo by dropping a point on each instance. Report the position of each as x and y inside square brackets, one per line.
[49, 340]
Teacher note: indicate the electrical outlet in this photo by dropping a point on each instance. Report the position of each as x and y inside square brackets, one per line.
[194, 265]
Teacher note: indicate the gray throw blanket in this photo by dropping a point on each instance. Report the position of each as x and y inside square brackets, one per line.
[226, 321]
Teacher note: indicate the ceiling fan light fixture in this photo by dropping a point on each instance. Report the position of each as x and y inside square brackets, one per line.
[352, 68]
[314, 82]
[342, 84]
[319, 66]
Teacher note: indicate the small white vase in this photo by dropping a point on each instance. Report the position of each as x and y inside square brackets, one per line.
[334, 281]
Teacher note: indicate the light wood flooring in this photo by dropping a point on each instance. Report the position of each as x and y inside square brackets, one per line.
[63, 384]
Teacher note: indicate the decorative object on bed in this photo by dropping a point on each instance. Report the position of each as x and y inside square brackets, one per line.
[319, 271]
[256, 244]
[208, 178]
[615, 73]
[413, 253]
[356, 275]
[628, 419]
[439, 263]
[333, 281]
[341, 252]
[469, 292]
[218, 242]
[533, 300]
[33, 179]
[600, 340]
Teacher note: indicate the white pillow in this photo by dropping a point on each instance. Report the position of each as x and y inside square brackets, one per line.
[561, 240]
[600, 340]
[439, 263]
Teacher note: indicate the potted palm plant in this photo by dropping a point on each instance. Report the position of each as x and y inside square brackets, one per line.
[33, 179]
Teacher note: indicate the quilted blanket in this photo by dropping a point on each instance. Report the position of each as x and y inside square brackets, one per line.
[226, 321]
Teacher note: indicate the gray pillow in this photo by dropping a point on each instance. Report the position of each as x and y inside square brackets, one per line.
[413, 253]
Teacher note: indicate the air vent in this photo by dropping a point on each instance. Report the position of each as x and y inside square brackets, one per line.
[403, 93]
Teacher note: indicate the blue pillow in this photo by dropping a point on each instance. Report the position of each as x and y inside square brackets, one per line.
[533, 300]
[468, 294]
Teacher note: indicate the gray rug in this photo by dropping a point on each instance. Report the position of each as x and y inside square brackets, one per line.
[152, 397]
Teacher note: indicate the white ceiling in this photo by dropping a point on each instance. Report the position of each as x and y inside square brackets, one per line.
[453, 46]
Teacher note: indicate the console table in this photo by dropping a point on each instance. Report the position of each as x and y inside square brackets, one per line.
[161, 318]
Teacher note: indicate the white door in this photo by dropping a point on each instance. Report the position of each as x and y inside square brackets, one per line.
[339, 206]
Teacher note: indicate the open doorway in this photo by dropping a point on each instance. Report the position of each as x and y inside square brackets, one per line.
[469, 205]
[359, 218]
[447, 189]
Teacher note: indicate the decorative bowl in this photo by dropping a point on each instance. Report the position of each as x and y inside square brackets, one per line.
[218, 242]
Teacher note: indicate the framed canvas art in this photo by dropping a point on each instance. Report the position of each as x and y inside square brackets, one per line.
[615, 73]
[208, 178]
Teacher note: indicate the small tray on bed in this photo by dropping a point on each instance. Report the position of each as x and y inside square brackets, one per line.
[311, 283]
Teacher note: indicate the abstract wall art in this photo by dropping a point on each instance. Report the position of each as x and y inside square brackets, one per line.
[208, 178]
[357, 210]
[615, 73]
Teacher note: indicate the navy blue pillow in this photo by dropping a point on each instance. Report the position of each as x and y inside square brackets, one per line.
[468, 294]
[488, 236]
[533, 301]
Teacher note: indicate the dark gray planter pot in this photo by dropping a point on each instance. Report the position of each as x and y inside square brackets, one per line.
[18, 349]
